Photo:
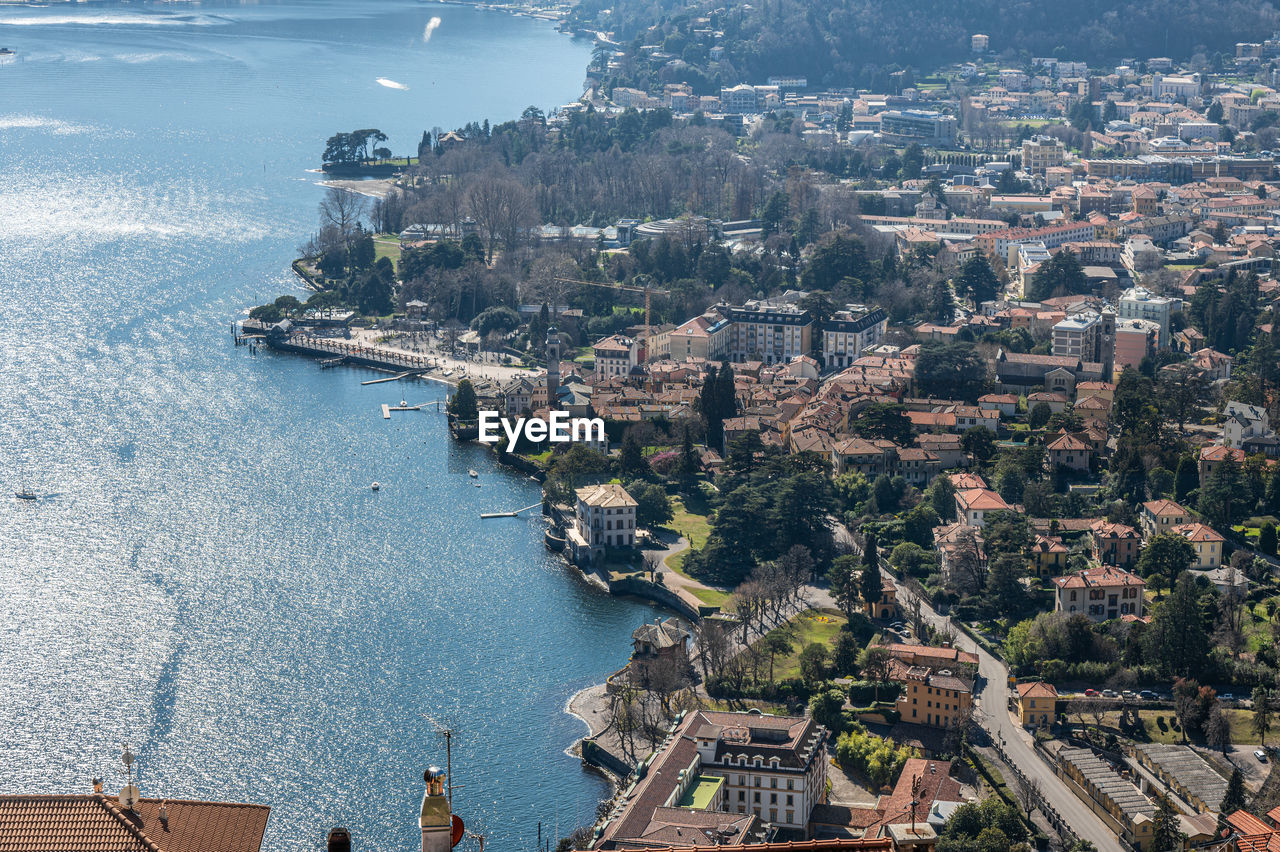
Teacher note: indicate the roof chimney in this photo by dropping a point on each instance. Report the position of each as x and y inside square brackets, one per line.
[339, 840]
[435, 820]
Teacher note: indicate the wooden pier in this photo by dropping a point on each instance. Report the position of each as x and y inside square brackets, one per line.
[515, 514]
[393, 378]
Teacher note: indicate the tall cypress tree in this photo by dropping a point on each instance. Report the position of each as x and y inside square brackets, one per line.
[1187, 479]
[872, 582]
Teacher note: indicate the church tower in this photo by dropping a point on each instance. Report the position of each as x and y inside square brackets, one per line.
[553, 365]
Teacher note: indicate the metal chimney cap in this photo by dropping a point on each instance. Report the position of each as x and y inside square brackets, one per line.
[433, 773]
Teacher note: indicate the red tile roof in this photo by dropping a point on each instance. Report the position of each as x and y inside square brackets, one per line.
[1103, 575]
[96, 823]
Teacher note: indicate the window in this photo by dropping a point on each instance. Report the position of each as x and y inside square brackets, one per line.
[757, 801]
[773, 798]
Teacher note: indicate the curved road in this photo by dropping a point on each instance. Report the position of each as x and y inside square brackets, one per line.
[992, 714]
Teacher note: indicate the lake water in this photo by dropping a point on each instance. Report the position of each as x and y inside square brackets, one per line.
[208, 575]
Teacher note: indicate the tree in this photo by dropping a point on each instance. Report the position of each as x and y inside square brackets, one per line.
[942, 495]
[951, 371]
[872, 583]
[1234, 799]
[813, 663]
[1187, 479]
[462, 404]
[342, 211]
[1262, 713]
[1166, 837]
[1005, 595]
[1267, 539]
[1166, 554]
[844, 584]
[1176, 638]
[688, 458]
[653, 506]
[1219, 501]
[884, 421]
[875, 665]
[631, 461]
[1060, 275]
[825, 706]
[1039, 415]
[844, 656]
[978, 280]
[1217, 731]
[775, 643]
[978, 442]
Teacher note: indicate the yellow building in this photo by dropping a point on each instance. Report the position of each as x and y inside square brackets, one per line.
[1037, 704]
[938, 699]
[887, 607]
[1049, 555]
[1207, 543]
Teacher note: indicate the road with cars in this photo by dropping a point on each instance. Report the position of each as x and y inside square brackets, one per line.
[991, 713]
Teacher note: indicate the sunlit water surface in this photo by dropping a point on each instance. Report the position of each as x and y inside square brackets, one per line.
[208, 575]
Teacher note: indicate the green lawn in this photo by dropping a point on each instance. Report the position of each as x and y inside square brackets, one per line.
[810, 626]
[386, 247]
[1241, 726]
[712, 597]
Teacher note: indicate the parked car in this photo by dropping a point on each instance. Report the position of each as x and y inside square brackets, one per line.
[1226, 696]
[1109, 693]
[1148, 695]
[1261, 755]
[1091, 693]
[1129, 694]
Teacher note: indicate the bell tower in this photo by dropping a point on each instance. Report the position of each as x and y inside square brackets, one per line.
[553, 365]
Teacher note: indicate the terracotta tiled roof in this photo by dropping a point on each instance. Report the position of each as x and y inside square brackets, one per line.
[981, 498]
[96, 823]
[1037, 689]
[1163, 507]
[1198, 532]
[1104, 575]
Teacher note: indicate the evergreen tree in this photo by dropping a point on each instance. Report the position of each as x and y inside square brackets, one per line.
[631, 461]
[726, 393]
[688, 458]
[1234, 799]
[1262, 713]
[844, 585]
[1166, 837]
[872, 582]
[978, 280]
[1176, 638]
[709, 402]
[1219, 501]
[463, 404]
[1188, 479]
[1273, 492]
[1267, 539]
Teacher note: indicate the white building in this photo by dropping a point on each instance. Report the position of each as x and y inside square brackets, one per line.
[1141, 303]
[1243, 422]
[1173, 88]
[739, 98]
[604, 516]
[774, 767]
[851, 331]
[615, 356]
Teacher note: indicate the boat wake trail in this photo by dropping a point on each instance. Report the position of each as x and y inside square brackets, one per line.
[392, 84]
[431, 28]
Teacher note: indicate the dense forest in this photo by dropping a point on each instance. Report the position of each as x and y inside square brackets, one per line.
[856, 42]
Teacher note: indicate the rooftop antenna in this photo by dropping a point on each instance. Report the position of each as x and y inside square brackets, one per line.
[130, 795]
[915, 801]
[446, 732]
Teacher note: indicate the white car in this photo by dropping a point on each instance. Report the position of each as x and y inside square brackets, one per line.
[1261, 755]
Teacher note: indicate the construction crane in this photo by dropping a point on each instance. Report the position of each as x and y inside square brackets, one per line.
[627, 288]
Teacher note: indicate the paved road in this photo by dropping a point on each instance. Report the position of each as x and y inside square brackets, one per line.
[992, 714]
